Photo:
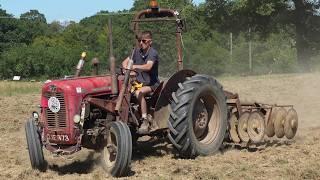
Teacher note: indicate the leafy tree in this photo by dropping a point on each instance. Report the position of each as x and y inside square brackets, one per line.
[282, 32]
[267, 16]
[9, 32]
[54, 27]
[305, 17]
[32, 24]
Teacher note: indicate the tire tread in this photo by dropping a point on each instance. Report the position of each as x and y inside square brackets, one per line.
[179, 134]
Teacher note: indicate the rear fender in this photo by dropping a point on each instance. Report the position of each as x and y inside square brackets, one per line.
[161, 114]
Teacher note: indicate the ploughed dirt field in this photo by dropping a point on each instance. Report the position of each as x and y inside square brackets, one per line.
[283, 159]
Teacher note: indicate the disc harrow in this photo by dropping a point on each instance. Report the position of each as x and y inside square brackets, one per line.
[252, 122]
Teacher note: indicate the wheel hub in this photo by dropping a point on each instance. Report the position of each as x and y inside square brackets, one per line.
[110, 151]
[201, 121]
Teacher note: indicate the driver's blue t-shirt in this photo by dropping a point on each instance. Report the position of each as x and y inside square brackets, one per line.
[139, 58]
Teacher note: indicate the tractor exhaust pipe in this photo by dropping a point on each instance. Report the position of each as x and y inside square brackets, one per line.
[112, 59]
[80, 64]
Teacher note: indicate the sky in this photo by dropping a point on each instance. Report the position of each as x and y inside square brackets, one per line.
[66, 10]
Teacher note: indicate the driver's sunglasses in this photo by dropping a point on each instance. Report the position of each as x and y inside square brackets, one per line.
[144, 40]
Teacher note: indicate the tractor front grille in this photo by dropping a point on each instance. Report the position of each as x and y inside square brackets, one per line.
[59, 119]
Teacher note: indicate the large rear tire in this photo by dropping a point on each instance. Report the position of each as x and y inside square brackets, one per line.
[198, 117]
[34, 146]
[116, 156]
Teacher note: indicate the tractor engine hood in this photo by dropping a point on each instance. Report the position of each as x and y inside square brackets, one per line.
[81, 86]
[61, 101]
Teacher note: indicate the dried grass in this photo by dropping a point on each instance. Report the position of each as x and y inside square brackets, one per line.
[299, 159]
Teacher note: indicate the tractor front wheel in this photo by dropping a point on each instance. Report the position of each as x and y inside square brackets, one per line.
[116, 155]
[198, 117]
[34, 146]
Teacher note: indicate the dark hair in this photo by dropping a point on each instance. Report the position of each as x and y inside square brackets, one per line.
[146, 33]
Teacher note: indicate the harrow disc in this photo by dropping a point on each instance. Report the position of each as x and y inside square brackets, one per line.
[279, 122]
[270, 122]
[233, 129]
[256, 127]
[291, 124]
[243, 127]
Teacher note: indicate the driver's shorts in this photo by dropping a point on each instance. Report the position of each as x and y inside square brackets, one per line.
[154, 86]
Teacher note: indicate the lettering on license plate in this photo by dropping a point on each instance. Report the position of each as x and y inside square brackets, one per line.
[58, 137]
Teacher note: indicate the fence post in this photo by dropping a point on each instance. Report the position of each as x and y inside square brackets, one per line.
[250, 51]
[231, 47]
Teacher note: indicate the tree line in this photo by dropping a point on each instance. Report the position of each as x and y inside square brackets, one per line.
[222, 37]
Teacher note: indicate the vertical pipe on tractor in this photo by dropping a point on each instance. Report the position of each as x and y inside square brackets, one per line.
[95, 66]
[179, 49]
[114, 82]
[80, 64]
[125, 83]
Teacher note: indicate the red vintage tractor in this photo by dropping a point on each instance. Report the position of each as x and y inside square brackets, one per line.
[98, 112]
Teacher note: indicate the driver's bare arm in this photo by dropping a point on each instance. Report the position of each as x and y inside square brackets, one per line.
[125, 63]
[144, 67]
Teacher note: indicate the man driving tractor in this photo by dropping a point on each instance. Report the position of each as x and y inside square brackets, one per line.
[145, 62]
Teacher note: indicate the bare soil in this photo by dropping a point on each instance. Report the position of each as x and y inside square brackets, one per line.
[277, 159]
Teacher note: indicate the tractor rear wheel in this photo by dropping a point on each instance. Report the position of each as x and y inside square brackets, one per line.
[116, 155]
[34, 146]
[198, 117]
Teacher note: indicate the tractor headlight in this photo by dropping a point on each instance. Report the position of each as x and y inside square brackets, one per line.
[35, 115]
[76, 118]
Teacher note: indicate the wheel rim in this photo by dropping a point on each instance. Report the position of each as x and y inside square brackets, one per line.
[270, 124]
[243, 127]
[279, 122]
[256, 127]
[291, 124]
[233, 128]
[110, 151]
[206, 117]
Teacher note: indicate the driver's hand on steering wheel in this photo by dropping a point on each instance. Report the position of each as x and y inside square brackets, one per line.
[132, 71]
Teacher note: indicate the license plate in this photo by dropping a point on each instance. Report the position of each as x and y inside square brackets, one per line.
[58, 137]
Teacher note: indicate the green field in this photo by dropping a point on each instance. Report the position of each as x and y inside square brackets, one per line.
[12, 88]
